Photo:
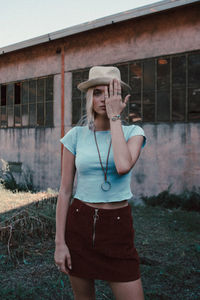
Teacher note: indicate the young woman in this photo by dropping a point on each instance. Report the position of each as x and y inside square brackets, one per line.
[94, 232]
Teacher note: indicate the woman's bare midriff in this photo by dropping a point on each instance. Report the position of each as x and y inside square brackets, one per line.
[110, 205]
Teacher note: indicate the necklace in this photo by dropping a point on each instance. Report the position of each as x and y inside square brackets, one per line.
[106, 185]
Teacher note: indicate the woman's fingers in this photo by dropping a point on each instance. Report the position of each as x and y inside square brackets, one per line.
[115, 84]
[69, 262]
[126, 98]
[115, 88]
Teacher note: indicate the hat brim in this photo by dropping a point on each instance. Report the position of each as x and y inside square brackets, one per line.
[84, 86]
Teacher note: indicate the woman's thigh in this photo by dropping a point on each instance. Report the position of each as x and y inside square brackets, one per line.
[83, 288]
[131, 290]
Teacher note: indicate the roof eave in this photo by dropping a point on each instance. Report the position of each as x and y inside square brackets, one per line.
[116, 18]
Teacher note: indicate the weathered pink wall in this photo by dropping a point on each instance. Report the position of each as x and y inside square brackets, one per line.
[166, 33]
[172, 151]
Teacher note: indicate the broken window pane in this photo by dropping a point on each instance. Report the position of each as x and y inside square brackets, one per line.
[17, 87]
[3, 95]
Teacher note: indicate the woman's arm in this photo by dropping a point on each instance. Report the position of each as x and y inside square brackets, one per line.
[64, 196]
[125, 153]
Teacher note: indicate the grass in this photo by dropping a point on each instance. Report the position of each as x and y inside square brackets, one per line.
[167, 241]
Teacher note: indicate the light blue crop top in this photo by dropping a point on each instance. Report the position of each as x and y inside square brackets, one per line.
[80, 141]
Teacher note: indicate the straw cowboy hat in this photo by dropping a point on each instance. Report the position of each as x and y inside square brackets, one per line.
[101, 76]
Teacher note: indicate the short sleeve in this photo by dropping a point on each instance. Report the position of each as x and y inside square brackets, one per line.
[69, 140]
[137, 130]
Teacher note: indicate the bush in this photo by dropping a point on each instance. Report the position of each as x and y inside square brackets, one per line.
[8, 181]
[188, 200]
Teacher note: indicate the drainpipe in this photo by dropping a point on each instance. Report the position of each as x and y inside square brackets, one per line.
[62, 99]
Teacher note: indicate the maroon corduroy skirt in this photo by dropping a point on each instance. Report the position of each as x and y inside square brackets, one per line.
[101, 243]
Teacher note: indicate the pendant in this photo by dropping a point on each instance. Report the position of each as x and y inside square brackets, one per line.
[106, 186]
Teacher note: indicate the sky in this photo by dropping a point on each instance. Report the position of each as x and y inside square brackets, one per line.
[25, 19]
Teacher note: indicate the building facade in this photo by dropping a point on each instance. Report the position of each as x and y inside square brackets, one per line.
[157, 49]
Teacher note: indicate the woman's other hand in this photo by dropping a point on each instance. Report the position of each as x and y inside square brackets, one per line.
[61, 256]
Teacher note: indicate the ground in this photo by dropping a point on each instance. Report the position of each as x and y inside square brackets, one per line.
[167, 242]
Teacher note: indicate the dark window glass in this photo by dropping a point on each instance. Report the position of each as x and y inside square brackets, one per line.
[135, 77]
[32, 114]
[83, 105]
[179, 72]
[25, 86]
[3, 116]
[49, 88]
[25, 115]
[178, 104]
[3, 94]
[76, 111]
[149, 75]
[40, 90]
[194, 70]
[163, 108]
[135, 108]
[32, 91]
[49, 114]
[149, 106]
[17, 93]
[163, 74]
[124, 72]
[10, 94]
[17, 119]
[76, 79]
[194, 104]
[85, 74]
[10, 116]
[40, 114]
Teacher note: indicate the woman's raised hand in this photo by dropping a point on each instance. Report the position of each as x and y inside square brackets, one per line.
[113, 99]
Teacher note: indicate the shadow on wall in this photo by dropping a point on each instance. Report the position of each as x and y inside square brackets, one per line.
[16, 177]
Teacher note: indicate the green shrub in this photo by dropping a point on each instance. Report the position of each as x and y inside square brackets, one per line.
[8, 181]
[188, 200]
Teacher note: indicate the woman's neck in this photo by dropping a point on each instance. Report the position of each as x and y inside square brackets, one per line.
[102, 123]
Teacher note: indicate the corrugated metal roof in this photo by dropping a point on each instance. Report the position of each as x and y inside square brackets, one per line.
[116, 18]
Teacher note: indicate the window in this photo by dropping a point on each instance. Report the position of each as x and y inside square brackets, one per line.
[79, 101]
[164, 89]
[27, 103]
